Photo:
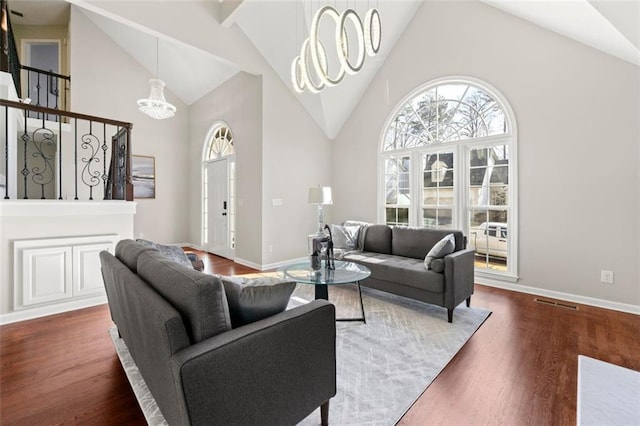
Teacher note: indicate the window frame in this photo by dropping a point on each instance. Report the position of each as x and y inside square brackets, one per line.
[461, 150]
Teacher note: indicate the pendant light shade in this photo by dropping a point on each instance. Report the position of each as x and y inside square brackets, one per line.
[156, 106]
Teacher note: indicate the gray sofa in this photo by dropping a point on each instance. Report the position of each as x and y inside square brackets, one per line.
[176, 324]
[396, 256]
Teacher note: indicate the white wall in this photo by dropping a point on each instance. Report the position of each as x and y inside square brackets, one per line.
[107, 82]
[238, 102]
[577, 112]
[41, 219]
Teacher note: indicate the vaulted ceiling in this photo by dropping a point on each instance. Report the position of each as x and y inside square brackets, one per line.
[277, 29]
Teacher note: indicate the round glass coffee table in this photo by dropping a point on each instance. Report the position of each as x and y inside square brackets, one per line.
[344, 273]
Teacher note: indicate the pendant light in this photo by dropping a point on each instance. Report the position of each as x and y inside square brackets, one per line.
[156, 106]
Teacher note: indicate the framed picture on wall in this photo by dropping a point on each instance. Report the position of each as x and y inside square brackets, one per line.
[143, 175]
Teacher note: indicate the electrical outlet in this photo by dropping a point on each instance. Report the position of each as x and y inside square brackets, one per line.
[606, 277]
[270, 249]
[141, 235]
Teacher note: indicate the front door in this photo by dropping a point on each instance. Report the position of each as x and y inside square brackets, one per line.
[218, 208]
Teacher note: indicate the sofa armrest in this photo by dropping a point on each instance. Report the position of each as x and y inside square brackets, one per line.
[458, 276]
[273, 371]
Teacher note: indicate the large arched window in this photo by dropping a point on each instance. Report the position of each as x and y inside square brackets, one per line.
[447, 160]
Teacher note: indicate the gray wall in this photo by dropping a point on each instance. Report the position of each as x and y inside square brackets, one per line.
[577, 113]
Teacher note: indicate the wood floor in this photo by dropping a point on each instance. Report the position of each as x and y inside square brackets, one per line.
[519, 368]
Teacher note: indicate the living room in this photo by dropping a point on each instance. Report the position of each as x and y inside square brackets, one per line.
[577, 207]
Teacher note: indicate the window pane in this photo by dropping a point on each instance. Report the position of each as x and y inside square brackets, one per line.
[397, 216]
[488, 235]
[437, 218]
[397, 190]
[448, 112]
[438, 191]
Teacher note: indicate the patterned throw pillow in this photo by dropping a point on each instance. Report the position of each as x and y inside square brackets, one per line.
[442, 248]
[345, 237]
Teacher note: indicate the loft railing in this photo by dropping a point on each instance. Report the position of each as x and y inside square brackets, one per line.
[44, 88]
[9, 61]
[72, 156]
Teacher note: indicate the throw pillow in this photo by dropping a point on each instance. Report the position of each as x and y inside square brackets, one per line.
[361, 233]
[437, 265]
[440, 249]
[252, 299]
[345, 237]
[173, 253]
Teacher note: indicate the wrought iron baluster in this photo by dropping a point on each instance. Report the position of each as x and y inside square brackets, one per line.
[104, 160]
[75, 159]
[59, 157]
[25, 170]
[90, 178]
[38, 94]
[43, 138]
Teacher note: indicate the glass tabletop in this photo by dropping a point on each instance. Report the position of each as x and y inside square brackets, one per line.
[344, 273]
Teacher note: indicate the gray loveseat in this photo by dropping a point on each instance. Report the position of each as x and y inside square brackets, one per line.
[176, 324]
[396, 255]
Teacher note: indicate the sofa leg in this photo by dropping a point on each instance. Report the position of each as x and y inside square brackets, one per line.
[324, 414]
[450, 315]
[468, 301]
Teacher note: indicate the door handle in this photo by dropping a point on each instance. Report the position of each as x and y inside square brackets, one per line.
[224, 205]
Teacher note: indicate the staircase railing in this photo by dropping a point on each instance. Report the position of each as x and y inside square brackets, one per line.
[72, 156]
[44, 88]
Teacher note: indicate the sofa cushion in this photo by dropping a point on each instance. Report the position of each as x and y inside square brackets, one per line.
[174, 253]
[127, 251]
[252, 299]
[378, 239]
[200, 298]
[402, 270]
[416, 242]
[442, 248]
[345, 237]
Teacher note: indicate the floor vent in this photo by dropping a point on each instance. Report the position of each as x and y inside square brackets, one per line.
[556, 303]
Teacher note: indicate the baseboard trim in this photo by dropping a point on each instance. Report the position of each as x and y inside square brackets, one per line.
[247, 263]
[43, 311]
[276, 265]
[584, 300]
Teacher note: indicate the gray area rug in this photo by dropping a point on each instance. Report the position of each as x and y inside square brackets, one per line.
[382, 366]
[607, 394]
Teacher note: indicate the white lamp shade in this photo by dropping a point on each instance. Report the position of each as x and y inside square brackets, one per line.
[320, 195]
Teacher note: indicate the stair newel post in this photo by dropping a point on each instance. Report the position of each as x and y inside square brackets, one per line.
[6, 152]
[129, 182]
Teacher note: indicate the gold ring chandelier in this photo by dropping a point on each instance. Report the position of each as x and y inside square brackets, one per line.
[310, 70]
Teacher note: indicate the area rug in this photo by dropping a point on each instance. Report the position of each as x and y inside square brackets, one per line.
[607, 394]
[382, 366]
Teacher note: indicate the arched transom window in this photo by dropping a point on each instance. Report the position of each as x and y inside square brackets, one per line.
[447, 160]
[220, 144]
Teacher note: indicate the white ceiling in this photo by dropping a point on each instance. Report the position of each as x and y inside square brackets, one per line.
[278, 27]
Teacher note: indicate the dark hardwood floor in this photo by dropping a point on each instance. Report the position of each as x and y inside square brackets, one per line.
[520, 367]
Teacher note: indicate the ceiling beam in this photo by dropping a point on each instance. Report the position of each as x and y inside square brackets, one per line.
[228, 9]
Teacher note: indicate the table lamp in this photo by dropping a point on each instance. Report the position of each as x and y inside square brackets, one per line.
[320, 195]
